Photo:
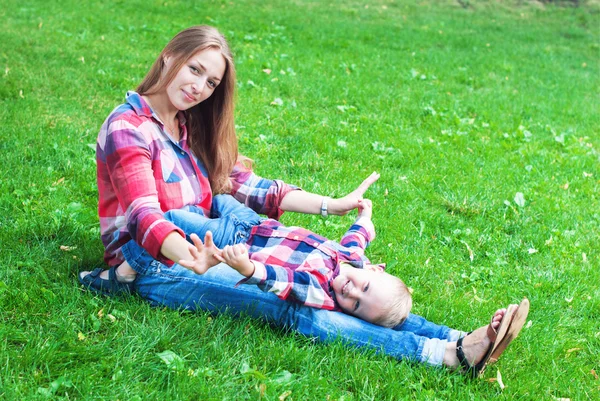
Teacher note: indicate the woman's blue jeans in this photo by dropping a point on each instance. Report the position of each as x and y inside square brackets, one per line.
[179, 288]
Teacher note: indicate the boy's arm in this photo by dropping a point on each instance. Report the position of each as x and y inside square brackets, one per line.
[303, 287]
[362, 231]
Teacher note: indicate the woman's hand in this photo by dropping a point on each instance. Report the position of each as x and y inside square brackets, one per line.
[204, 255]
[237, 257]
[342, 206]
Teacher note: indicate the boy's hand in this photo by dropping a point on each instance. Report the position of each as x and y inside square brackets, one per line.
[237, 257]
[365, 208]
[203, 254]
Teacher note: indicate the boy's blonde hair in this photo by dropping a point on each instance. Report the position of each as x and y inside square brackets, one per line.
[396, 310]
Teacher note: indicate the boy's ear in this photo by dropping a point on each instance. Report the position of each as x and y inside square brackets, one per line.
[375, 268]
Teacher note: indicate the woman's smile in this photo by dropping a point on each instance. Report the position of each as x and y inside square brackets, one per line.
[189, 96]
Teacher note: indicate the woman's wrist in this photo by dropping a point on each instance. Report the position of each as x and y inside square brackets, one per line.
[333, 206]
[324, 206]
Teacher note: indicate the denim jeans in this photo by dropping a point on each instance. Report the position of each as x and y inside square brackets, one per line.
[230, 221]
[179, 288]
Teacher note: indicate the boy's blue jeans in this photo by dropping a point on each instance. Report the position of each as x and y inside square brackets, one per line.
[230, 221]
[179, 288]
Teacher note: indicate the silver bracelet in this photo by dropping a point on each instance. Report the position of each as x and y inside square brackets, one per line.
[324, 206]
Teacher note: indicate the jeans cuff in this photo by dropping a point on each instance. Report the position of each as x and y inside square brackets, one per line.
[433, 351]
[454, 335]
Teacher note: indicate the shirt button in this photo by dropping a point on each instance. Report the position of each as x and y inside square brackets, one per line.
[275, 233]
[295, 237]
[182, 152]
[316, 244]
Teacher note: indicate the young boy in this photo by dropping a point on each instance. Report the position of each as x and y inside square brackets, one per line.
[297, 264]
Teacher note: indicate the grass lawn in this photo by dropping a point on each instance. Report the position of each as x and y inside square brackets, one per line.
[483, 121]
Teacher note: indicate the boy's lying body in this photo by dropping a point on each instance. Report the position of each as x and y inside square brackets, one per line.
[297, 264]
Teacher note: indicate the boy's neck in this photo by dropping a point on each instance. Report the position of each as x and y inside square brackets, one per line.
[344, 266]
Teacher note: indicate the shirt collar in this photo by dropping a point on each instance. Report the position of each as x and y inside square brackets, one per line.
[138, 104]
[142, 108]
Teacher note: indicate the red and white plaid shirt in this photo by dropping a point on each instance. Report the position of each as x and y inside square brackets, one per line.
[142, 173]
[299, 265]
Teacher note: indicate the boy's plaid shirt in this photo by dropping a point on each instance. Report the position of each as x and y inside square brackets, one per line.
[299, 265]
[142, 173]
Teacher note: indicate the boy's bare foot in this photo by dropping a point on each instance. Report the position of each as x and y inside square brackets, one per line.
[475, 345]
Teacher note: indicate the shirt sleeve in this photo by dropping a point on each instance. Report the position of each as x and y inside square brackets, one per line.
[260, 194]
[297, 286]
[129, 165]
[360, 234]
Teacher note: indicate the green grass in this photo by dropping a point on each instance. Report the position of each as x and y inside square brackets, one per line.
[459, 109]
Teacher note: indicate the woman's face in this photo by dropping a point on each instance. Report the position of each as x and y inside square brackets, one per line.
[197, 78]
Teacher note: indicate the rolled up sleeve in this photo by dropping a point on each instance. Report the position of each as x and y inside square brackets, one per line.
[129, 166]
[262, 195]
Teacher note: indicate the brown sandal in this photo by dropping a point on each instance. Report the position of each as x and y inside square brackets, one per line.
[496, 339]
[518, 320]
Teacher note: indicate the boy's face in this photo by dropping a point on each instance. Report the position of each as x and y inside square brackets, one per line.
[361, 292]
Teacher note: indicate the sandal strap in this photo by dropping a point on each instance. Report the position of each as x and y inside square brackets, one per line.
[473, 370]
[461, 355]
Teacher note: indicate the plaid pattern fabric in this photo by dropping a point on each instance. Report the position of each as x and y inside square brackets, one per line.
[142, 173]
[299, 265]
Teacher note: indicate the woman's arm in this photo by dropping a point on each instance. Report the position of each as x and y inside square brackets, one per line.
[306, 202]
[126, 173]
[273, 197]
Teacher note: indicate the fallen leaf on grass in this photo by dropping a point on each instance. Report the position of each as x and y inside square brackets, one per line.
[171, 359]
[573, 350]
[532, 251]
[471, 255]
[566, 186]
[80, 336]
[593, 372]
[66, 248]
[520, 199]
[584, 257]
[569, 300]
[586, 175]
[58, 182]
[267, 71]
[529, 324]
[277, 102]
[285, 395]
[499, 378]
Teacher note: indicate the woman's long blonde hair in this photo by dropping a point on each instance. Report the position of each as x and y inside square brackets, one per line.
[210, 124]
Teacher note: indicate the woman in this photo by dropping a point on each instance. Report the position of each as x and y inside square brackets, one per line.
[171, 146]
